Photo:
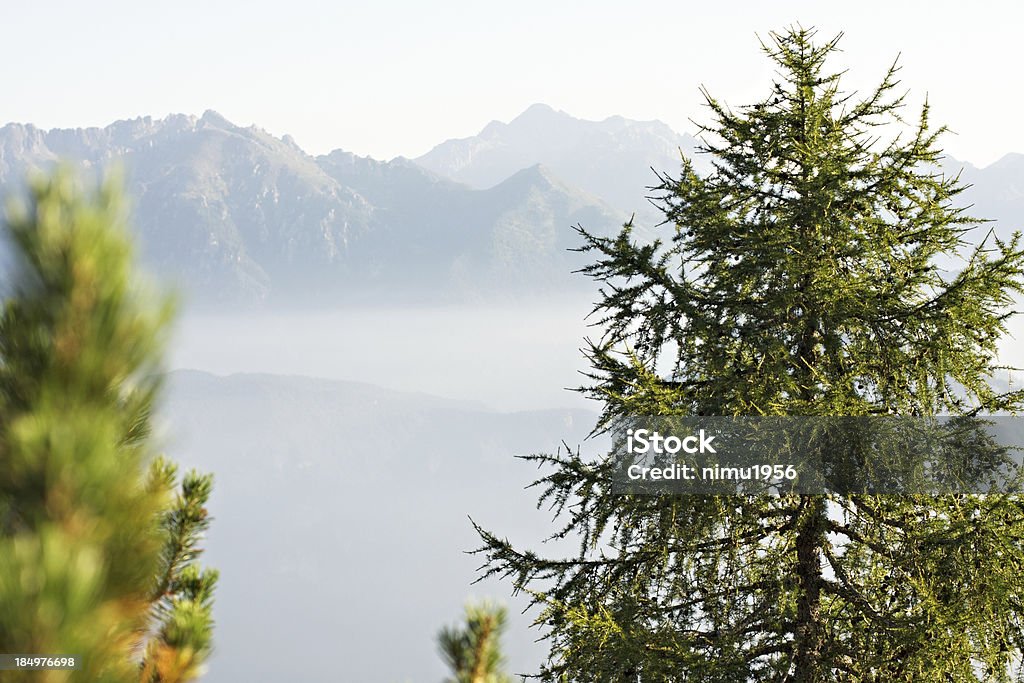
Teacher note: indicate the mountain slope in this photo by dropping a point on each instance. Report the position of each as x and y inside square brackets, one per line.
[231, 212]
[611, 159]
[996, 191]
[512, 237]
[235, 215]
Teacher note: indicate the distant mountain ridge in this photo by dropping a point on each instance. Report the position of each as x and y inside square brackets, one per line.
[996, 191]
[238, 216]
[612, 159]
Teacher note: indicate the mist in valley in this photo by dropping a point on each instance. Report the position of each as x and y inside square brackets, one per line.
[504, 356]
[351, 447]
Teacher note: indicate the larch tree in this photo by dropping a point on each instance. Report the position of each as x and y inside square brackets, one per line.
[821, 268]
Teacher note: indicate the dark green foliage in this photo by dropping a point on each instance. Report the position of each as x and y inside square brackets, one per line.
[802, 276]
[473, 651]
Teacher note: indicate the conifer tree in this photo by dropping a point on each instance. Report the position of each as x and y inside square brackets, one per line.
[95, 551]
[473, 651]
[178, 638]
[806, 274]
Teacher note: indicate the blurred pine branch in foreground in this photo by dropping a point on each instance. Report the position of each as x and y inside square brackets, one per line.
[98, 539]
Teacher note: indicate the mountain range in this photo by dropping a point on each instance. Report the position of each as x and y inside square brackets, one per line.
[614, 159]
[233, 215]
[236, 215]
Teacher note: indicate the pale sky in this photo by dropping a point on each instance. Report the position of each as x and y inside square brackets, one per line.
[388, 77]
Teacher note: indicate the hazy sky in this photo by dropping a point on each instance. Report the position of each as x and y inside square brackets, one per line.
[390, 78]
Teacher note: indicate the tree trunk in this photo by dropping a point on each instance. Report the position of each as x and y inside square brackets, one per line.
[808, 634]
